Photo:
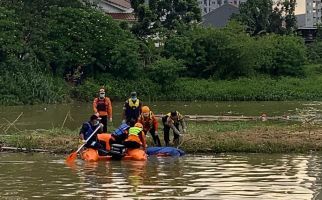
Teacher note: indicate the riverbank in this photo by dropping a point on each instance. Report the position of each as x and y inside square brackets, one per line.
[247, 137]
[184, 89]
[192, 89]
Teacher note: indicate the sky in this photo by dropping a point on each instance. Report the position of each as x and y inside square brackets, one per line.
[300, 8]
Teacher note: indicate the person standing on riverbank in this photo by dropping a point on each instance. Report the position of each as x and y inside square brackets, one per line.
[132, 110]
[150, 124]
[172, 121]
[102, 107]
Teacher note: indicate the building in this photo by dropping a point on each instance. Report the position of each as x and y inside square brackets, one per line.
[308, 13]
[220, 16]
[308, 16]
[207, 6]
[118, 9]
[115, 6]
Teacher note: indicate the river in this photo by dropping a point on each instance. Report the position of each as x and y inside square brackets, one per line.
[53, 116]
[225, 176]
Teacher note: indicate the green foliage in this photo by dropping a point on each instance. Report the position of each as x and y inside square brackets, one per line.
[211, 52]
[188, 89]
[159, 16]
[26, 84]
[247, 89]
[231, 53]
[42, 42]
[84, 37]
[265, 16]
[281, 55]
[39, 39]
[166, 71]
[315, 51]
[118, 89]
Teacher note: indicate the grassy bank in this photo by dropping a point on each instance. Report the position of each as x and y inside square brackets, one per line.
[48, 90]
[187, 89]
[249, 137]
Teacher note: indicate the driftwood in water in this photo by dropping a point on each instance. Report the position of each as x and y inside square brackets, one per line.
[210, 118]
[21, 149]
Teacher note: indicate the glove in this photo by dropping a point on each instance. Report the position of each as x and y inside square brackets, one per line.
[111, 119]
[101, 125]
[123, 121]
[80, 141]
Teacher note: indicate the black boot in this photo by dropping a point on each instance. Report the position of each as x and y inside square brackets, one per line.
[157, 141]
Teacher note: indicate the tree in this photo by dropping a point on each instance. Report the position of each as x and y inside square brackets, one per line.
[263, 16]
[281, 55]
[221, 53]
[64, 36]
[73, 37]
[163, 15]
[166, 71]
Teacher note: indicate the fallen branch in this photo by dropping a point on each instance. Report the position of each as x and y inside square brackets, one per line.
[22, 149]
[67, 114]
[232, 118]
[183, 141]
[13, 123]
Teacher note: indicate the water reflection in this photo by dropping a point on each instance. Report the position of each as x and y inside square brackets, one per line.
[237, 176]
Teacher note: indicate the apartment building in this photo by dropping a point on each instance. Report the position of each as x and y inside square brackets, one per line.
[308, 13]
[313, 13]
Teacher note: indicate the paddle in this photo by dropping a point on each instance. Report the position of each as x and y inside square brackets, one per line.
[71, 157]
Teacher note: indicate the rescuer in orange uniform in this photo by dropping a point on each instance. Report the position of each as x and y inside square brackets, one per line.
[102, 107]
[150, 124]
[136, 138]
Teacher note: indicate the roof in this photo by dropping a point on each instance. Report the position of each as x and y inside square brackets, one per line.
[220, 16]
[122, 16]
[122, 3]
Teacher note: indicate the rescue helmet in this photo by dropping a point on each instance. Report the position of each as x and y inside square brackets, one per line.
[139, 125]
[145, 109]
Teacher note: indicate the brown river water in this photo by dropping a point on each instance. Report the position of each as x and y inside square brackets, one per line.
[53, 116]
[223, 176]
[231, 176]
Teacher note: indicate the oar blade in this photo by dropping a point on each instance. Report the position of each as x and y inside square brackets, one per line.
[71, 157]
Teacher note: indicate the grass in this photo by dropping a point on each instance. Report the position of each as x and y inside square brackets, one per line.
[247, 137]
[260, 88]
[33, 89]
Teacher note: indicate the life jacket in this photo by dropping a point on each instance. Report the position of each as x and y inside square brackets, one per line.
[135, 131]
[180, 117]
[89, 130]
[134, 135]
[134, 105]
[147, 121]
[133, 110]
[101, 104]
[120, 130]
